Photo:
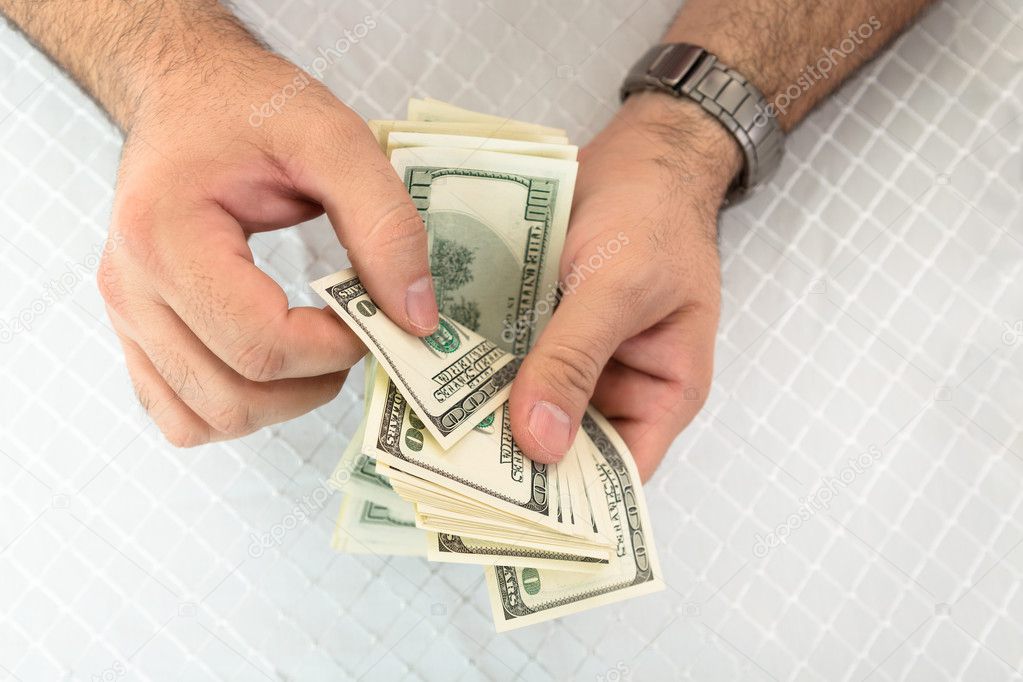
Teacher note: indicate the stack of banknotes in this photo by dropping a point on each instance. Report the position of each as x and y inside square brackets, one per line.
[433, 469]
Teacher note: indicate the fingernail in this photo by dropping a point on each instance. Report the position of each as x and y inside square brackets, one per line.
[421, 305]
[550, 426]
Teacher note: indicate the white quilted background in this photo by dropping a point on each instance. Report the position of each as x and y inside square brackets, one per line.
[872, 303]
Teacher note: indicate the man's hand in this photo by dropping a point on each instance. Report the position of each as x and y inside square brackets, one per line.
[636, 325]
[212, 348]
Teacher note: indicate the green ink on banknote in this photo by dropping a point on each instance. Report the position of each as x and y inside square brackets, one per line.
[531, 580]
[445, 339]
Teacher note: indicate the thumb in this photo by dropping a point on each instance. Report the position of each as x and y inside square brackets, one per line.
[377, 223]
[558, 376]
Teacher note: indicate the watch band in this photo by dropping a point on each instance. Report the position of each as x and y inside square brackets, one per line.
[688, 70]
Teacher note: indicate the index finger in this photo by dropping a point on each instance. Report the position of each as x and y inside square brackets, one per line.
[209, 279]
[376, 221]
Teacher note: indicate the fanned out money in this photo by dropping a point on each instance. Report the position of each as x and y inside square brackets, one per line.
[433, 469]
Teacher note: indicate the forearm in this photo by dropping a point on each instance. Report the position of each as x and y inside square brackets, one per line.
[123, 53]
[795, 52]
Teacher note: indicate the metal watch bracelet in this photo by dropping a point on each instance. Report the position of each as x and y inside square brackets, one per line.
[685, 70]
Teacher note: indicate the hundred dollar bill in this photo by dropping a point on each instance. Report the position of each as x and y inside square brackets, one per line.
[356, 473]
[454, 378]
[565, 152]
[496, 225]
[508, 131]
[460, 549]
[368, 527]
[522, 596]
[489, 469]
[443, 510]
[429, 109]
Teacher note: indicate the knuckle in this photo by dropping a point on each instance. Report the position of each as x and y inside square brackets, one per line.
[204, 301]
[258, 360]
[110, 282]
[183, 436]
[175, 430]
[571, 370]
[692, 381]
[335, 389]
[176, 371]
[685, 401]
[399, 231]
[703, 382]
[694, 396]
[133, 222]
[233, 418]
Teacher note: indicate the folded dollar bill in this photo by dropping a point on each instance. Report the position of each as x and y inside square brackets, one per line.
[455, 377]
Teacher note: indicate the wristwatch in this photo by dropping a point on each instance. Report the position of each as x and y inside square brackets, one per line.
[685, 70]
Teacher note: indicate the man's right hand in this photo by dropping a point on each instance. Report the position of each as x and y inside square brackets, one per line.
[212, 347]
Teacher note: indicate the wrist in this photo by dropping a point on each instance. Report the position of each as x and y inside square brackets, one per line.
[183, 57]
[686, 133]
